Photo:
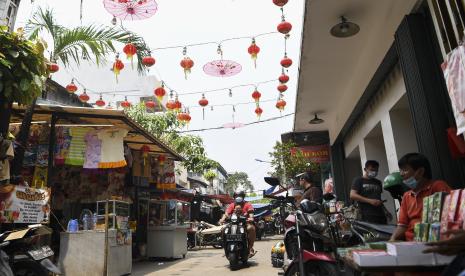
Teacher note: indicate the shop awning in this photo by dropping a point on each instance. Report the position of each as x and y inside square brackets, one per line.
[94, 117]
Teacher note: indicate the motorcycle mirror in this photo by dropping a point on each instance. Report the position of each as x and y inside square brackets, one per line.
[329, 196]
[273, 181]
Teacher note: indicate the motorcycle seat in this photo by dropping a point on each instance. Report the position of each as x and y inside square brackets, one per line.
[213, 230]
[385, 228]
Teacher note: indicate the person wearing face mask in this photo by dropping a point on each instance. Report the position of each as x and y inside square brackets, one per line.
[366, 191]
[415, 170]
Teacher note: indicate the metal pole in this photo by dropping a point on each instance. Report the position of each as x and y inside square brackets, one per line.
[105, 260]
[51, 149]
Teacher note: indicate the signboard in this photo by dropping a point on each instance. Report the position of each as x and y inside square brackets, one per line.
[20, 204]
[317, 154]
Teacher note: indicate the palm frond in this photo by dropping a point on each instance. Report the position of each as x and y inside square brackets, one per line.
[43, 20]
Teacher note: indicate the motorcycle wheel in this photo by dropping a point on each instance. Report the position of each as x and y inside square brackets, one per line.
[314, 268]
[28, 268]
[233, 260]
[217, 246]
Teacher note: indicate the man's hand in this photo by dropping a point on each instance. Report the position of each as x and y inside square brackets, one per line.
[451, 246]
[375, 202]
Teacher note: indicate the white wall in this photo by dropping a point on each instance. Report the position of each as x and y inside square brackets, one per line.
[404, 132]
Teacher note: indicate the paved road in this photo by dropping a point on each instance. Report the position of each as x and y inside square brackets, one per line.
[210, 262]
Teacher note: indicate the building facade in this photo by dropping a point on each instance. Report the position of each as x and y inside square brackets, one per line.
[8, 12]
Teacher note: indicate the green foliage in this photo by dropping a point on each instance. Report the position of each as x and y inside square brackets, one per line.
[165, 126]
[83, 42]
[210, 175]
[23, 68]
[285, 164]
[238, 179]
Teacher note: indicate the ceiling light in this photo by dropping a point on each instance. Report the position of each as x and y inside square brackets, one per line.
[345, 28]
[316, 120]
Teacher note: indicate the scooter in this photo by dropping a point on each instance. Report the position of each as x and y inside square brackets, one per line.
[235, 239]
[28, 252]
[205, 234]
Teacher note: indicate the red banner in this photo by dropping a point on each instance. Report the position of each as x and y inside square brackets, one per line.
[317, 154]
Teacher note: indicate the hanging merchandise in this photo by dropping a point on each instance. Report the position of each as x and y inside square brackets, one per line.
[130, 50]
[283, 78]
[62, 143]
[117, 66]
[148, 61]
[282, 88]
[112, 154]
[93, 150]
[203, 102]
[125, 103]
[131, 9]
[53, 67]
[280, 104]
[100, 102]
[222, 68]
[280, 3]
[256, 96]
[84, 97]
[77, 149]
[145, 153]
[161, 159]
[253, 51]
[286, 62]
[71, 88]
[259, 112]
[186, 63]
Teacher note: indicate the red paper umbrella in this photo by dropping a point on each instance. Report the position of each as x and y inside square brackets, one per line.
[286, 62]
[148, 61]
[71, 88]
[125, 103]
[284, 27]
[283, 78]
[187, 64]
[280, 104]
[130, 50]
[280, 3]
[253, 51]
[53, 67]
[131, 9]
[233, 125]
[256, 96]
[259, 112]
[100, 102]
[203, 102]
[282, 87]
[150, 104]
[222, 68]
[84, 97]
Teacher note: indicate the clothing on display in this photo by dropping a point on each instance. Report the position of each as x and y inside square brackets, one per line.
[93, 150]
[63, 141]
[77, 149]
[112, 154]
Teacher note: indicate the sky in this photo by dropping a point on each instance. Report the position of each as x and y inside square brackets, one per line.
[184, 22]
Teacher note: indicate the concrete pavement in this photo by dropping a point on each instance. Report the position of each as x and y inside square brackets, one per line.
[211, 262]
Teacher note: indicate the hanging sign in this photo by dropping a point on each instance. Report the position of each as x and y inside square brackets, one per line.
[24, 205]
[317, 154]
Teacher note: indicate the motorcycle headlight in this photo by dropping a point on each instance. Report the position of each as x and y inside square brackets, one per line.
[318, 221]
[226, 230]
[242, 230]
[234, 218]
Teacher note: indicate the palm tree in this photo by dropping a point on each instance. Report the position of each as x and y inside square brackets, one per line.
[92, 42]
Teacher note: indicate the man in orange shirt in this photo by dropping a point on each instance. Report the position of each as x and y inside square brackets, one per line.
[415, 170]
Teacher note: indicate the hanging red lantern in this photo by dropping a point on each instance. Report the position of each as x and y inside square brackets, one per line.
[283, 78]
[284, 27]
[187, 64]
[117, 67]
[203, 102]
[280, 104]
[125, 103]
[130, 50]
[280, 3]
[71, 88]
[148, 61]
[145, 152]
[256, 96]
[286, 62]
[259, 112]
[161, 159]
[53, 67]
[170, 105]
[100, 102]
[177, 104]
[282, 87]
[187, 118]
[160, 92]
[181, 117]
[150, 104]
[253, 51]
[84, 97]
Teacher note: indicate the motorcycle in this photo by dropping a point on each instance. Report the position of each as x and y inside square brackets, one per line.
[205, 234]
[27, 252]
[235, 242]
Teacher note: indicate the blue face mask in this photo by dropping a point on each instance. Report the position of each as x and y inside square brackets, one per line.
[411, 182]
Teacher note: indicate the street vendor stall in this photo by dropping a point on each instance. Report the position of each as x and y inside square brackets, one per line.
[88, 157]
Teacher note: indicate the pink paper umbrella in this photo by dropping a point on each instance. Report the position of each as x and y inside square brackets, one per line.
[131, 9]
[222, 68]
[233, 125]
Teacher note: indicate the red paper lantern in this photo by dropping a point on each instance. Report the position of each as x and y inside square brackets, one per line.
[286, 62]
[130, 50]
[253, 51]
[203, 102]
[84, 97]
[100, 102]
[280, 104]
[256, 96]
[280, 3]
[117, 67]
[259, 112]
[187, 64]
[282, 87]
[160, 92]
[283, 78]
[161, 159]
[284, 27]
[53, 67]
[125, 103]
[145, 152]
[170, 105]
[150, 104]
[187, 118]
[71, 88]
[148, 61]
[177, 104]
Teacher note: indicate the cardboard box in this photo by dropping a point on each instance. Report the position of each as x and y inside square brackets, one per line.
[434, 232]
[365, 258]
[442, 259]
[430, 207]
[453, 205]
[405, 248]
[420, 259]
[445, 212]
[438, 199]
[425, 211]
[416, 232]
[421, 232]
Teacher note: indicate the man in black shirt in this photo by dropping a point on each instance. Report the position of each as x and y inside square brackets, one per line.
[366, 190]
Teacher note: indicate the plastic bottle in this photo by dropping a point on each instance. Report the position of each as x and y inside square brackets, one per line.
[94, 221]
[85, 222]
[72, 226]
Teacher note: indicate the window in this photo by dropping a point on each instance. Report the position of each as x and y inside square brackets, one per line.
[11, 13]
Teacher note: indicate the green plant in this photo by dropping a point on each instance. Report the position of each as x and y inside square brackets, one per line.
[210, 175]
[236, 180]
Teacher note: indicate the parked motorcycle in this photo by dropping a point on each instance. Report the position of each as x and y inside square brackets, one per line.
[27, 252]
[205, 234]
[235, 243]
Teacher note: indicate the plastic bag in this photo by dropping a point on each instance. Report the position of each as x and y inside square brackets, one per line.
[454, 74]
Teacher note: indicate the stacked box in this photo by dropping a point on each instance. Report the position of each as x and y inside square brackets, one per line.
[445, 211]
[373, 257]
[460, 218]
[425, 211]
[434, 232]
[410, 253]
[438, 199]
[430, 208]
[421, 232]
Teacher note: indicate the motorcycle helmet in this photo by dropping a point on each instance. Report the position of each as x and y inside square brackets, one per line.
[308, 206]
[239, 196]
[394, 185]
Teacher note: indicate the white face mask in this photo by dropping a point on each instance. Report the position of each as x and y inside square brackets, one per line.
[372, 174]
